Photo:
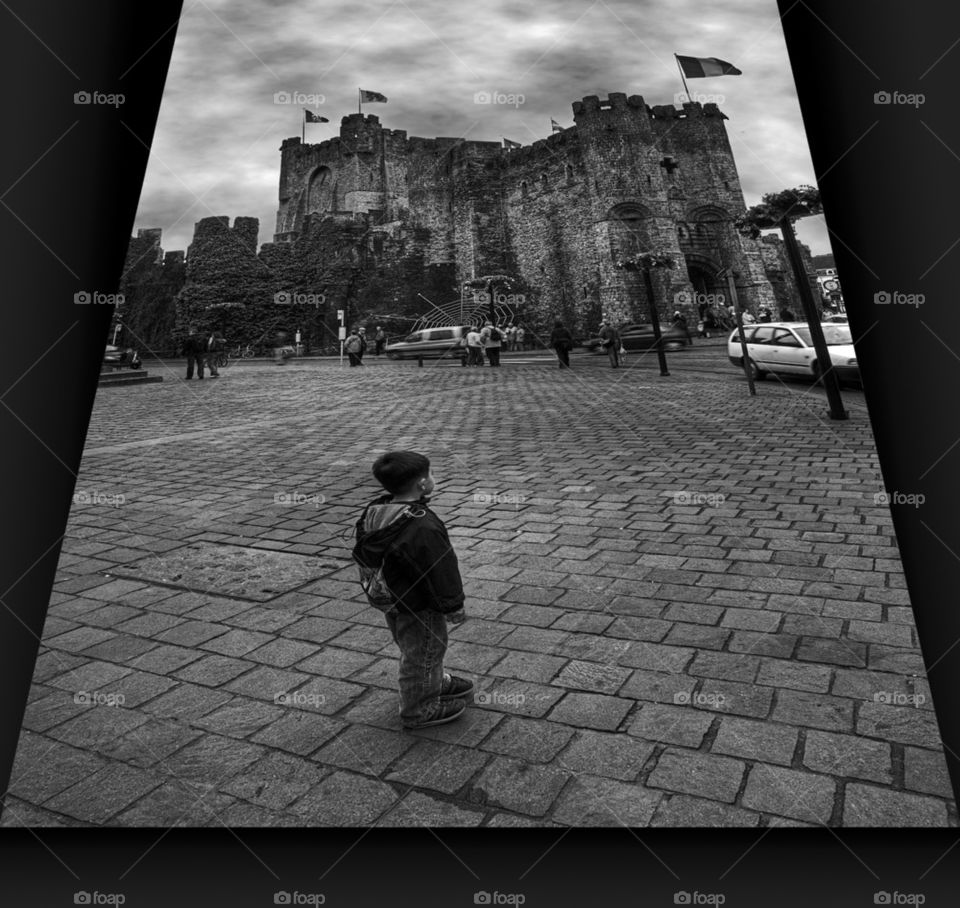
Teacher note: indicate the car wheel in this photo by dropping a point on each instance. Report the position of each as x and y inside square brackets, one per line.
[755, 373]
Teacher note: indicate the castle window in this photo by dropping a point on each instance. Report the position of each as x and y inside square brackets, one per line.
[523, 189]
[543, 180]
[569, 172]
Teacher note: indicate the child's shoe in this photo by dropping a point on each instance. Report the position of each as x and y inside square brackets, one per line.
[454, 687]
[443, 711]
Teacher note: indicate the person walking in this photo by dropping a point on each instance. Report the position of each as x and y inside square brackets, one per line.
[363, 343]
[491, 338]
[193, 348]
[354, 348]
[562, 342]
[520, 338]
[474, 347]
[379, 340]
[214, 346]
[610, 341]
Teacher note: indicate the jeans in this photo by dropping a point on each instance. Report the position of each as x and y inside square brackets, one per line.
[354, 359]
[613, 351]
[211, 359]
[422, 638]
[493, 354]
[195, 358]
[563, 354]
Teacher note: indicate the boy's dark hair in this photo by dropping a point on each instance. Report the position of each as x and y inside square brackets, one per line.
[398, 470]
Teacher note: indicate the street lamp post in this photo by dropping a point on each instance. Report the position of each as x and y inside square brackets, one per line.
[644, 262]
[780, 210]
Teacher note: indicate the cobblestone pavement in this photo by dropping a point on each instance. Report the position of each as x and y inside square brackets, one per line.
[686, 608]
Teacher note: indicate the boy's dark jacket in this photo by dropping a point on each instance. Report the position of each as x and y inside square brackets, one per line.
[419, 564]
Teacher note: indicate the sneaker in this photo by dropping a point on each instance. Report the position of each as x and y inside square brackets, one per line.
[445, 711]
[454, 687]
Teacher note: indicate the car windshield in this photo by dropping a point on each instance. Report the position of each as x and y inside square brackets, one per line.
[835, 335]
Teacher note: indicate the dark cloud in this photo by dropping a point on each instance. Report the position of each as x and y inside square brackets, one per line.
[220, 130]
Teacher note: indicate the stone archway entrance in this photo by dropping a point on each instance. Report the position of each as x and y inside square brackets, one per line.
[708, 287]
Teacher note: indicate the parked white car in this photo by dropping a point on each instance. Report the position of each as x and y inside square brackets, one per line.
[787, 348]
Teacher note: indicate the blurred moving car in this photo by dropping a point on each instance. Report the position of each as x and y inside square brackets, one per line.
[787, 348]
[430, 342]
[119, 356]
[641, 337]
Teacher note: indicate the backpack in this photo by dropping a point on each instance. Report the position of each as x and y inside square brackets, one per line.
[495, 334]
[375, 587]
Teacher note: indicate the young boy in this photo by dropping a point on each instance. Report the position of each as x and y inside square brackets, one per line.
[399, 532]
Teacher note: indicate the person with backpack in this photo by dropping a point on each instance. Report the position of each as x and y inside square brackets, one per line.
[409, 571]
[193, 347]
[354, 348]
[214, 348]
[562, 342]
[610, 341]
[491, 338]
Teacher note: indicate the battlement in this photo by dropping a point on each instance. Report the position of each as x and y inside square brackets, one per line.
[245, 230]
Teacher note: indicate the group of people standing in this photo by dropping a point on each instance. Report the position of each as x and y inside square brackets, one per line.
[356, 344]
[202, 352]
[488, 341]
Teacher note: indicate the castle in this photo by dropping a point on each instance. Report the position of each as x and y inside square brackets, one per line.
[375, 222]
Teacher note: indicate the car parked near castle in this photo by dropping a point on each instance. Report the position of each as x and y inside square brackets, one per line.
[786, 348]
[430, 342]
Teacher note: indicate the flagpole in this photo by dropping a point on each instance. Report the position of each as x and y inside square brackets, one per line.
[360, 101]
[303, 127]
[682, 77]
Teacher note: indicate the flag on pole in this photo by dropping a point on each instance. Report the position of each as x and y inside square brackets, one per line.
[367, 97]
[555, 126]
[701, 67]
[509, 143]
[311, 117]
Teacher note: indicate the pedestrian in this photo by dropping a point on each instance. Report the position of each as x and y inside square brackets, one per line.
[363, 343]
[520, 337]
[491, 337]
[193, 348]
[409, 570]
[786, 315]
[474, 347]
[764, 315]
[280, 340]
[354, 348]
[512, 337]
[748, 318]
[379, 340]
[610, 341]
[214, 346]
[562, 342]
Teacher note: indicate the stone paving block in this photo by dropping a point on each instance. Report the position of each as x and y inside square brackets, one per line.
[473, 727]
[528, 666]
[704, 775]
[582, 622]
[121, 648]
[633, 627]
[613, 756]
[213, 671]
[594, 801]
[812, 710]
[418, 809]
[80, 639]
[321, 630]
[904, 724]
[789, 793]
[275, 780]
[192, 633]
[535, 640]
[531, 615]
[779, 646]
[150, 743]
[91, 676]
[165, 659]
[866, 805]
[438, 766]
[797, 676]
[664, 724]
[186, 702]
[683, 810]
[323, 695]
[240, 717]
[151, 624]
[364, 749]
[174, 805]
[267, 683]
[519, 698]
[532, 740]
[236, 642]
[725, 666]
[44, 767]
[477, 630]
[95, 726]
[733, 698]
[881, 632]
[282, 653]
[657, 657]
[299, 732]
[848, 756]
[926, 771]
[518, 786]
[104, 794]
[658, 687]
[52, 664]
[345, 799]
[471, 658]
[380, 708]
[591, 711]
[848, 653]
[894, 659]
[332, 662]
[591, 676]
[752, 740]
[748, 619]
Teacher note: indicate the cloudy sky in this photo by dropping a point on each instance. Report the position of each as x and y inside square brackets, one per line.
[216, 147]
